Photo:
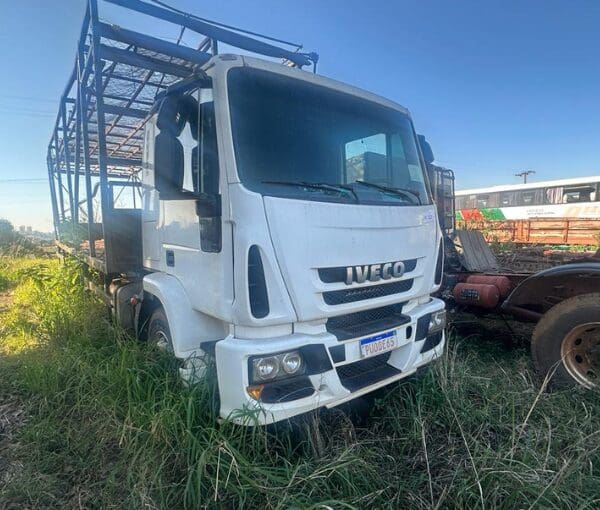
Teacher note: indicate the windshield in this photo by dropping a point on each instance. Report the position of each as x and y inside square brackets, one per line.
[298, 140]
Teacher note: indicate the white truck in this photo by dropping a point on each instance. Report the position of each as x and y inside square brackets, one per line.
[285, 229]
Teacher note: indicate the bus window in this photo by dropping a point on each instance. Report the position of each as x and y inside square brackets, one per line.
[507, 198]
[483, 201]
[469, 202]
[580, 194]
[531, 197]
[527, 197]
[554, 195]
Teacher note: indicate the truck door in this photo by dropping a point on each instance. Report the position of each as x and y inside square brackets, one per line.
[195, 234]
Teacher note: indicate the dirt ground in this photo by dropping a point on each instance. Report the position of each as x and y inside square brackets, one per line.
[531, 259]
[12, 417]
[491, 326]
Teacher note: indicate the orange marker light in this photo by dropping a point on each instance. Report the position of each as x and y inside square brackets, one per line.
[255, 391]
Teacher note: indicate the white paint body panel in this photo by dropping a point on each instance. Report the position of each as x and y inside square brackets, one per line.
[575, 210]
[312, 235]
[233, 379]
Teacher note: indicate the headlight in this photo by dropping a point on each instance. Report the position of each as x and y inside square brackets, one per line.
[266, 368]
[437, 321]
[291, 362]
[276, 366]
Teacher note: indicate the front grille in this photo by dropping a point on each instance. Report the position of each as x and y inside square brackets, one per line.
[338, 297]
[338, 274]
[352, 325]
[366, 372]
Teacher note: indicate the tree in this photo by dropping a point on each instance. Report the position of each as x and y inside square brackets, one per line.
[7, 233]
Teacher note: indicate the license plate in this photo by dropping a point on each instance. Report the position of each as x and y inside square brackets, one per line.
[378, 344]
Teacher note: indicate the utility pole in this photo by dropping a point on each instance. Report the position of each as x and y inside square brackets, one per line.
[524, 174]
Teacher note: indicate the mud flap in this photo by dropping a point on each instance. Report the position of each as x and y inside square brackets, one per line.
[473, 252]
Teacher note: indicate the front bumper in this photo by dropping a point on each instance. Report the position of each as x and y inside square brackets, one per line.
[346, 376]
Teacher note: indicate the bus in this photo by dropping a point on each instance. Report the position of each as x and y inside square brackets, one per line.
[559, 199]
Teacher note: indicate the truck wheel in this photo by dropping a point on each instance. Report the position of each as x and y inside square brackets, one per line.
[567, 339]
[159, 334]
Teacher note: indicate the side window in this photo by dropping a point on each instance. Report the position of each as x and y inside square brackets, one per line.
[208, 178]
[579, 194]
[507, 198]
[205, 164]
[483, 201]
[531, 197]
[527, 197]
[554, 195]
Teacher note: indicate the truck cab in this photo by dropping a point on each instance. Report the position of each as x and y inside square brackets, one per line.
[288, 230]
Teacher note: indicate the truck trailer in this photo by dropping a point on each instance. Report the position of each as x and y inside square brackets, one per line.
[562, 301]
[243, 210]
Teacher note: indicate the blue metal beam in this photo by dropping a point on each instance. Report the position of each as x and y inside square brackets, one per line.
[137, 60]
[214, 32]
[55, 217]
[82, 114]
[61, 200]
[65, 148]
[125, 112]
[123, 35]
[99, 87]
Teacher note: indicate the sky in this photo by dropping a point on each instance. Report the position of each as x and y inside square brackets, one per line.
[497, 87]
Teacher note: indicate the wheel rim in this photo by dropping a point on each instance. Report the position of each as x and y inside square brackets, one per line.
[580, 352]
[162, 342]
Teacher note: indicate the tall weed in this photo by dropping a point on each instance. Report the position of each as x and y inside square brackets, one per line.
[111, 426]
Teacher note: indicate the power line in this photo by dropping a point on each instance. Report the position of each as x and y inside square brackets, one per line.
[29, 98]
[223, 25]
[26, 113]
[24, 180]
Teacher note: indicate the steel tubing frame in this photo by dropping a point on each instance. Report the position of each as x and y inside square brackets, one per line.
[116, 73]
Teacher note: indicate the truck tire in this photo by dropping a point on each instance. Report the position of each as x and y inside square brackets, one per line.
[159, 334]
[566, 341]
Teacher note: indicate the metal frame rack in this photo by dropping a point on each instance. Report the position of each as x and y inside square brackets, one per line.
[115, 79]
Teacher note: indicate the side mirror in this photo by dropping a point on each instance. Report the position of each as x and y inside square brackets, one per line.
[173, 114]
[425, 149]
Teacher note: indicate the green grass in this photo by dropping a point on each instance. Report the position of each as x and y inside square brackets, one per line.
[108, 426]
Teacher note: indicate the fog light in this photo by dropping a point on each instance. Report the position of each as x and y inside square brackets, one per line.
[266, 368]
[291, 362]
[437, 321]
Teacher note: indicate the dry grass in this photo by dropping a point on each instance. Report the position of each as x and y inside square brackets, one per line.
[108, 427]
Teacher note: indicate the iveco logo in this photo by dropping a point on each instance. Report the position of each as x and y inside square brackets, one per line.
[375, 272]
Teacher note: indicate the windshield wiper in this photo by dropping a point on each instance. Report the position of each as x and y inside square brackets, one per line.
[338, 188]
[397, 191]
